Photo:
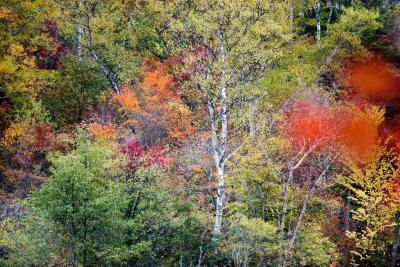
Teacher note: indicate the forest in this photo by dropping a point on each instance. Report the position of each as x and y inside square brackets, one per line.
[196, 133]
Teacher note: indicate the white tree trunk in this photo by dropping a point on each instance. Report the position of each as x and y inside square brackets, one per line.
[79, 37]
[318, 20]
[220, 166]
[219, 205]
[221, 142]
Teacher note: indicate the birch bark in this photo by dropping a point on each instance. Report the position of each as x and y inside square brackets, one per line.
[318, 20]
[220, 149]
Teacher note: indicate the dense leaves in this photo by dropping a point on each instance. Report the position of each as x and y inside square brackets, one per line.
[199, 133]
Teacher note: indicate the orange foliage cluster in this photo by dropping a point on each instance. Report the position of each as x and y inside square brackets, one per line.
[157, 98]
[35, 137]
[39, 138]
[162, 98]
[376, 80]
[373, 78]
[157, 83]
[127, 99]
[104, 132]
[26, 145]
[359, 132]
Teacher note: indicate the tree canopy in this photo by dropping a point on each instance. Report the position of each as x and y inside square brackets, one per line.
[199, 133]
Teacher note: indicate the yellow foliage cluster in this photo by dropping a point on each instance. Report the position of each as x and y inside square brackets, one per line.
[371, 186]
[14, 132]
[6, 14]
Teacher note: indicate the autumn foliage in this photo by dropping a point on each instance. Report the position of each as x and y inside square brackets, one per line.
[128, 100]
[359, 132]
[309, 125]
[50, 57]
[42, 136]
[351, 129]
[392, 188]
[104, 132]
[157, 100]
[373, 78]
[140, 157]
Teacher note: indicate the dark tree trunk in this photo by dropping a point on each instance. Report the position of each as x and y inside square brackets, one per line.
[347, 223]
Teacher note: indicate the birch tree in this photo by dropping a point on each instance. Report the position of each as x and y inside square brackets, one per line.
[117, 35]
[317, 8]
[233, 43]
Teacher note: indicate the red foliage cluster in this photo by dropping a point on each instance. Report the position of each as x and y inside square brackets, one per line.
[140, 157]
[310, 125]
[156, 156]
[314, 126]
[42, 136]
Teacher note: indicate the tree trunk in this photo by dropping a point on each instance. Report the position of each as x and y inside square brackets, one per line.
[219, 164]
[252, 112]
[307, 199]
[285, 201]
[111, 77]
[331, 7]
[79, 37]
[220, 200]
[318, 20]
[291, 18]
[220, 143]
[296, 229]
[347, 223]
[286, 190]
[396, 240]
